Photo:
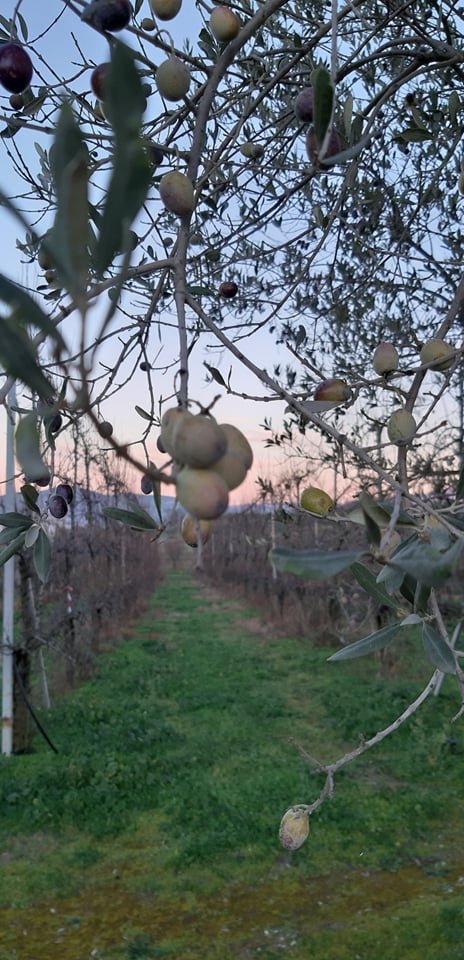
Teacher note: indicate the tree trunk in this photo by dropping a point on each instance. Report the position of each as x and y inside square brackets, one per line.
[22, 659]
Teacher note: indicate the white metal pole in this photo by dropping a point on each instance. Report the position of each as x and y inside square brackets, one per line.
[8, 591]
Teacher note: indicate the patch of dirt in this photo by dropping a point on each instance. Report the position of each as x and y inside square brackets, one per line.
[28, 847]
[255, 624]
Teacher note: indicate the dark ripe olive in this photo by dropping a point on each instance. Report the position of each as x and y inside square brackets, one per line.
[66, 491]
[99, 79]
[105, 429]
[15, 68]
[146, 484]
[57, 507]
[55, 423]
[43, 481]
[304, 105]
[228, 289]
[108, 15]
[312, 146]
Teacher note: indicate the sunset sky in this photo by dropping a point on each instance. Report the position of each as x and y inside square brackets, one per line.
[60, 57]
[58, 53]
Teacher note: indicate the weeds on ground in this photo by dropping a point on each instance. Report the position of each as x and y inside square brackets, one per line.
[176, 762]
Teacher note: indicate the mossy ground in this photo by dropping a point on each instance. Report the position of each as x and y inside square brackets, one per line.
[153, 832]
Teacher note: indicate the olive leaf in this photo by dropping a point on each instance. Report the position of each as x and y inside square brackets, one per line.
[28, 447]
[132, 170]
[323, 102]
[68, 241]
[18, 355]
[137, 518]
[375, 641]
[314, 564]
[15, 520]
[42, 555]
[369, 583]
[11, 548]
[438, 650]
[430, 566]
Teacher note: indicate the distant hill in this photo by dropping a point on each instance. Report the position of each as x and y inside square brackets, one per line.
[87, 505]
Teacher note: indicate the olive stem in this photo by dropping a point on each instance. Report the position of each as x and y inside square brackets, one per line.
[331, 769]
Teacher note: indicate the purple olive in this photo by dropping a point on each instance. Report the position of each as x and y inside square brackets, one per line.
[146, 484]
[15, 68]
[43, 481]
[105, 429]
[99, 79]
[160, 445]
[66, 491]
[55, 423]
[228, 289]
[304, 105]
[155, 153]
[57, 507]
[17, 101]
[312, 145]
[108, 15]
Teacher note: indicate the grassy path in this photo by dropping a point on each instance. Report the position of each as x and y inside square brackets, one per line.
[153, 832]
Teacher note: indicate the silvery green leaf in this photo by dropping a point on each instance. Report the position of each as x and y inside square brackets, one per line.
[323, 102]
[13, 519]
[314, 564]
[375, 641]
[438, 650]
[348, 114]
[137, 519]
[28, 447]
[368, 582]
[42, 555]
[11, 548]
[31, 535]
[391, 579]
[430, 566]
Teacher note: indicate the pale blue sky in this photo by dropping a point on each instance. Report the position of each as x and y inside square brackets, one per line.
[60, 57]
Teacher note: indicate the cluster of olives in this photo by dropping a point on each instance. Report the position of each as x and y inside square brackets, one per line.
[59, 502]
[16, 69]
[436, 354]
[210, 460]
[192, 530]
[172, 77]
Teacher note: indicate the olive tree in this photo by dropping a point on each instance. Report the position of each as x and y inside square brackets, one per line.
[276, 187]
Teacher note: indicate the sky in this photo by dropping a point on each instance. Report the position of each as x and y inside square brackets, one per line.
[58, 56]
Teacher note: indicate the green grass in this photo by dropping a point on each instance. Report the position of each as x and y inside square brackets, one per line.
[175, 765]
